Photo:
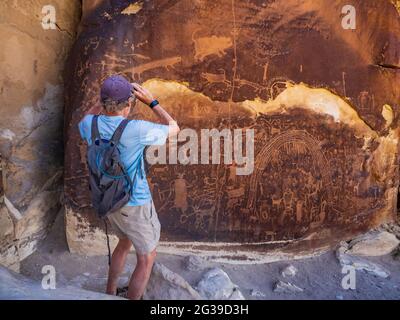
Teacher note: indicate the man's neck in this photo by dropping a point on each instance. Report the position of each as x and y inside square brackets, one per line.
[114, 114]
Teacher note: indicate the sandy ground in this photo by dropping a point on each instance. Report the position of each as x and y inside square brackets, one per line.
[320, 277]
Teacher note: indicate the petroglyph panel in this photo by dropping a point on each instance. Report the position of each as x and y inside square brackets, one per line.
[323, 103]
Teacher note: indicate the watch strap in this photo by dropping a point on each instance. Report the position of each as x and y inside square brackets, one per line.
[154, 103]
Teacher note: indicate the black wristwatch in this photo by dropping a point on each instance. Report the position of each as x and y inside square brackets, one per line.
[154, 103]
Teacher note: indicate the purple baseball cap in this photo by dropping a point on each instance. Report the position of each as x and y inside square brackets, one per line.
[116, 88]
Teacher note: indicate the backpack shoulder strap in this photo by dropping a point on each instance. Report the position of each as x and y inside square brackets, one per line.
[118, 132]
[95, 129]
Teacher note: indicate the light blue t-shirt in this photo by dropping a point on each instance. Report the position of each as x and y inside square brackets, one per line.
[137, 135]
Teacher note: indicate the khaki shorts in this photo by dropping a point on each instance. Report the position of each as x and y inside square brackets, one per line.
[139, 224]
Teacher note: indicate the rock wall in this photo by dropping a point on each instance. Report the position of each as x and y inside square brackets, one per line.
[14, 286]
[31, 121]
[323, 102]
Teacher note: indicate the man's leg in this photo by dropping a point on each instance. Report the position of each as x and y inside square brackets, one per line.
[117, 264]
[141, 275]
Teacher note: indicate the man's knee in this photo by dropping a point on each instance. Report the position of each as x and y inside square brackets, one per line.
[146, 260]
[124, 245]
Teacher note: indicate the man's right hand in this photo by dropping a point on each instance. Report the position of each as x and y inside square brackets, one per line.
[146, 97]
[142, 94]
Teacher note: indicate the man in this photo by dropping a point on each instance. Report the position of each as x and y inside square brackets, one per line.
[137, 222]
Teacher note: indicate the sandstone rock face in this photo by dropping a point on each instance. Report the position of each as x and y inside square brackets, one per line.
[256, 293]
[31, 121]
[14, 286]
[359, 263]
[216, 285]
[289, 271]
[374, 243]
[321, 100]
[286, 287]
[194, 263]
[84, 239]
[167, 285]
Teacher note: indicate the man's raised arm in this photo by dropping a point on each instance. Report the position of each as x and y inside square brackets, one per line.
[147, 98]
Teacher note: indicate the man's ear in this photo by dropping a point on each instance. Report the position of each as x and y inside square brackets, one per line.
[127, 110]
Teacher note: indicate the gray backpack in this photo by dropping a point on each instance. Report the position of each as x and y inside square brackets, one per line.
[109, 182]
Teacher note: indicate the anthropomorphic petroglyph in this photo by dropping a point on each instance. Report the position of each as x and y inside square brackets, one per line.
[181, 194]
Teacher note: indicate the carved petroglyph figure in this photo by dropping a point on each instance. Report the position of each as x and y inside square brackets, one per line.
[296, 159]
[181, 194]
[162, 63]
[92, 44]
[263, 212]
[213, 45]
[299, 210]
[265, 73]
[276, 85]
[366, 101]
[257, 87]
[276, 202]
[212, 78]
[270, 153]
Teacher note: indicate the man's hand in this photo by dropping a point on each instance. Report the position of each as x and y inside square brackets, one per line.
[146, 97]
[142, 94]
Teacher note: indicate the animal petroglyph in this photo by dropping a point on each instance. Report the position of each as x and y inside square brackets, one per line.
[162, 63]
[133, 8]
[139, 56]
[257, 87]
[215, 77]
[206, 46]
[116, 59]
